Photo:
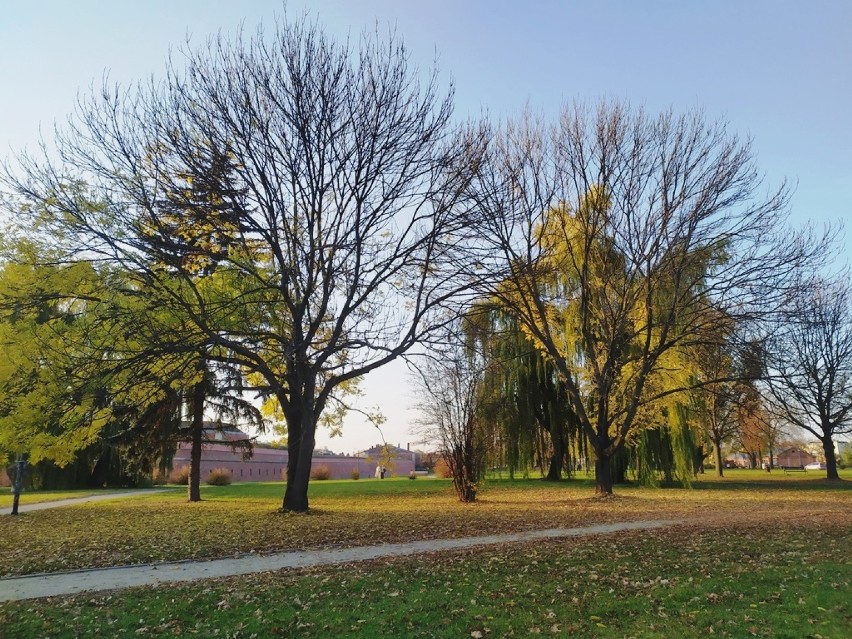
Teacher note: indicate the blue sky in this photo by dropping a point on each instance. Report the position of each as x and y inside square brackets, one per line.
[777, 70]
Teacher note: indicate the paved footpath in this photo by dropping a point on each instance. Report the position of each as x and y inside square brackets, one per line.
[74, 582]
[44, 505]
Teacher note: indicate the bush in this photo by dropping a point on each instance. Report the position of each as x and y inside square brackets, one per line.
[159, 478]
[179, 476]
[442, 469]
[356, 474]
[321, 472]
[219, 477]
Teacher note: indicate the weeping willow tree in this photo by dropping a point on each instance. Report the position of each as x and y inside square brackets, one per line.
[665, 451]
[557, 275]
[531, 396]
[529, 415]
[523, 400]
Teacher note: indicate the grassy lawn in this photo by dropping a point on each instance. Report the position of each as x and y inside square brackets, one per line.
[40, 496]
[759, 555]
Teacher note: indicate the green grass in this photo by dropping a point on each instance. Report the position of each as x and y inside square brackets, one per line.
[760, 555]
[781, 582]
[40, 496]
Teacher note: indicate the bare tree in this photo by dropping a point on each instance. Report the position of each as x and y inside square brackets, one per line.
[451, 378]
[620, 240]
[716, 401]
[809, 363]
[322, 225]
[726, 397]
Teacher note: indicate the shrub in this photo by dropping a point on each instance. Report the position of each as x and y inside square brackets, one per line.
[159, 478]
[219, 477]
[179, 476]
[321, 472]
[356, 474]
[442, 469]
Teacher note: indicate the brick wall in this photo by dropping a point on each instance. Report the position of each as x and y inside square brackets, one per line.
[268, 464]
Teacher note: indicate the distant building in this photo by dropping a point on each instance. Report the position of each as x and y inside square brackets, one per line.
[226, 447]
[795, 457]
[396, 453]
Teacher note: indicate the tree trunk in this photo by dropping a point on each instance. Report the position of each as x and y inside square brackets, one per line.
[463, 482]
[98, 477]
[603, 474]
[554, 471]
[463, 463]
[465, 490]
[299, 468]
[196, 434]
[296, 493]
[717, 452]
[698, 461]
[301, 430]
[830, 460]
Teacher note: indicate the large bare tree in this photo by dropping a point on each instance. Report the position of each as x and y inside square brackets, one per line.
[288, 198]
[809, 363]
[621, 239]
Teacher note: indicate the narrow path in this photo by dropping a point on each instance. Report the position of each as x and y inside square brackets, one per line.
[74, 582]
[44, 505]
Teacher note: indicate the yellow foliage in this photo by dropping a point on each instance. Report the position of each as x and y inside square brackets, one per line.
[582, 305]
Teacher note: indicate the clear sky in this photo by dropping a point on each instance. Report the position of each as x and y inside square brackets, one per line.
[779, 71]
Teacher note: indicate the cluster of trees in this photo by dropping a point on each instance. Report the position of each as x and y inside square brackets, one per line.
[282, 214]
[275, 215]
[90, 383]
[642, 298]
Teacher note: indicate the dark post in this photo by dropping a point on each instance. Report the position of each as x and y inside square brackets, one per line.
[19, 480]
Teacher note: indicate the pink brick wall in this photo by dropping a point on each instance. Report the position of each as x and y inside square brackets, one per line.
[268, 464]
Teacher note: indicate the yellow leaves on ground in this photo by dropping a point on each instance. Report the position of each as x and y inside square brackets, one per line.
[244, 518]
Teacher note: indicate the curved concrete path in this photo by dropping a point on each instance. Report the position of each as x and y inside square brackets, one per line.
[74, 582]
[44, 505]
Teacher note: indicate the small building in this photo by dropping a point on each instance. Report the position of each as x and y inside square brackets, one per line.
[795, 457]
[395, 453]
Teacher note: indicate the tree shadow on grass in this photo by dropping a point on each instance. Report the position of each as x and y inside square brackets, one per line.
[733, 485]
